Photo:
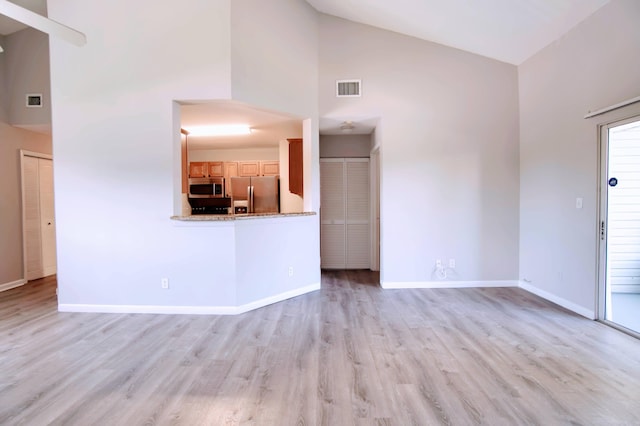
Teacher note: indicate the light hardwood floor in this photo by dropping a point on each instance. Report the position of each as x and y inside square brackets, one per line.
[350, 354]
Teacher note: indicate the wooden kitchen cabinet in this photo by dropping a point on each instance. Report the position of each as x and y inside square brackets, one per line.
[198, 169]
[215, 169]
[230, 170]
[248, 168]
[295, 167]
[269, 168]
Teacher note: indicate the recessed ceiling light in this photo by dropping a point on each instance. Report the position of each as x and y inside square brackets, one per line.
[219, 130]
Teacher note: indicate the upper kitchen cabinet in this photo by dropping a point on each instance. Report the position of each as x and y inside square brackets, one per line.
[248, 168]
[215, 169]
[295, 167]
[198, 169]
[269, 168]
[206, 169]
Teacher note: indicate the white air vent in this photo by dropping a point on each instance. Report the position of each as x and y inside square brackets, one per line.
[348, 88]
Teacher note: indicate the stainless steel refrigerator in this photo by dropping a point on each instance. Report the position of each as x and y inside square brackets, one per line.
[256, 194]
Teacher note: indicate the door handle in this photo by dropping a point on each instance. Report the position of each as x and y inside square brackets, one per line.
[250, 199]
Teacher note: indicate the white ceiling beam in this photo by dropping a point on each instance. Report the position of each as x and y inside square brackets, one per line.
[41, 23]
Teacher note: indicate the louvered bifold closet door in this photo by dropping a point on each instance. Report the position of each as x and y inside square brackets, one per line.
[332, 214]
[344, 213]
[357, 203]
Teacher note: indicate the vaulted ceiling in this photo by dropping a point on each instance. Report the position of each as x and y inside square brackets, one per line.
[506, 30]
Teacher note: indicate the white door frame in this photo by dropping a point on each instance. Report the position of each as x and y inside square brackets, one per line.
[374, 200]
[24, 153]
[603, 299]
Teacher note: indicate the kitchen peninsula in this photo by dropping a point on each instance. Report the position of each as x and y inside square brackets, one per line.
[232, 217]
[247, 261]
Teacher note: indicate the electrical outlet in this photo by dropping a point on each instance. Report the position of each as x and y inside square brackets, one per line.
[290, 271]
[439, 263]
[164, 283]
[452, 263]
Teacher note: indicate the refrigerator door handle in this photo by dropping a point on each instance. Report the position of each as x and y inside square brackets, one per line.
[250, 199]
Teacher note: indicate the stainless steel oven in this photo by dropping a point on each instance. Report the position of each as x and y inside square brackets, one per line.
[212, 187]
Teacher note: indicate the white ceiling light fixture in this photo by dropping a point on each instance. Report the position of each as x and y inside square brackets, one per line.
[1, 49]
[347, 127]
[219, 130]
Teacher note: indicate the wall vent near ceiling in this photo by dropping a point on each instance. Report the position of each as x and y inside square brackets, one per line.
[348, 88]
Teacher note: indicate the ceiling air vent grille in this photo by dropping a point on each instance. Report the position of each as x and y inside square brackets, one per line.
[348, 88]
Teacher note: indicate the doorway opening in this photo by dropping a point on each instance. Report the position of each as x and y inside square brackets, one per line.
[38, 218]
[620, 224]
[350, 200]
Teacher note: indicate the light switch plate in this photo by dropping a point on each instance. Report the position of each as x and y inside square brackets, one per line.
[578, 203]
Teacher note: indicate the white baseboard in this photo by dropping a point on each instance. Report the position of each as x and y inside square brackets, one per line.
[447, 284]
[580, 310]
[277, 298]
[186, 310]
[12, 284]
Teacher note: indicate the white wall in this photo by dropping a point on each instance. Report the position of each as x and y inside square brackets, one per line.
[26, 55]
[116, 153]
[116, 143]
[348, 146]
[246, 154]
[448, 132]
[24, 67]
[595, 65]
[275, 66]
[259, 275]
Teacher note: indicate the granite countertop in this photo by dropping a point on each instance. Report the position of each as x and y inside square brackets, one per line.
[227, 217]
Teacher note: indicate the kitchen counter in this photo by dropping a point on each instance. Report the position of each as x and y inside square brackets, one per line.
[231, 217]
[237, 263]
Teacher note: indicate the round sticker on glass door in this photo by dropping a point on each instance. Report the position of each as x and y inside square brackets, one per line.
[613, 182]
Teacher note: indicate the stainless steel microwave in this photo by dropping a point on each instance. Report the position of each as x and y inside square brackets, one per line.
[212, 187]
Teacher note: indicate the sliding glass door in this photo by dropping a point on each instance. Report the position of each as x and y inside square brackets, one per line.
[620, 224]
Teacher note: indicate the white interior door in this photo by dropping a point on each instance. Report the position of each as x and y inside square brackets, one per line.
[39, 220]
[358, 211]
[332, 214]
[47, 216]
[620, 223]
[31, 213]
[344, 213]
